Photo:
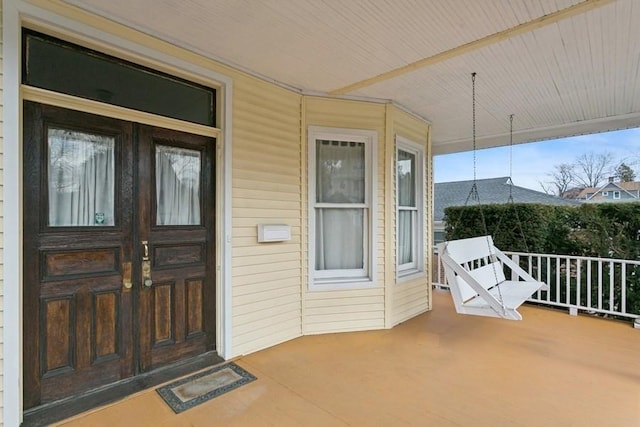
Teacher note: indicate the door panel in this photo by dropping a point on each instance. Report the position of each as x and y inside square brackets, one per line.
[176, 216]
[77, 316]
[94, 189]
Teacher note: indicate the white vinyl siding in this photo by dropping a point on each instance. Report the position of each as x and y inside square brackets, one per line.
[266, 277]
[410, 234]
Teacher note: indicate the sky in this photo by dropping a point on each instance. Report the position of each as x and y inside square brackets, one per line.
[533, 162]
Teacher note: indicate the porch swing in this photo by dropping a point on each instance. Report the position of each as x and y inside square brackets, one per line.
[475, 268]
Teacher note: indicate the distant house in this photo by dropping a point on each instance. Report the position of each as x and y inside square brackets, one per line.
[490, 191]
[611, 192]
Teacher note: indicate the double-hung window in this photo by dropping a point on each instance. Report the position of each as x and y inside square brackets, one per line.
[409, 203]
[341, 211]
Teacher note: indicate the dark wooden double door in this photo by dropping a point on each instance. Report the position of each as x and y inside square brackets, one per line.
[103, 199]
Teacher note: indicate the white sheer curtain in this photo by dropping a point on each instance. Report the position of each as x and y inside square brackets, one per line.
[81, 178]
[407, 209]
[340, 184]
[177, 186]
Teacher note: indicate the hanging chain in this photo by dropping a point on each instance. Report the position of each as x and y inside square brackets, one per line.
[515, 210]
[473, 104]
[510, 159]
[473, 194]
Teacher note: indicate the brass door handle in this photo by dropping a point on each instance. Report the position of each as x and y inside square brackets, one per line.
[126, 275]
[145, 245]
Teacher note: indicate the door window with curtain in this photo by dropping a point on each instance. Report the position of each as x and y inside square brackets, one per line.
[177, 186]
[409, 201]
[80, 178]
[340, 210]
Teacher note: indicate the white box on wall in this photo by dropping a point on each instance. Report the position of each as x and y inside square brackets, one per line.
[274, 233]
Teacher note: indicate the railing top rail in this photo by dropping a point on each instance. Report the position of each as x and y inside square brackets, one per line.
[585, 258]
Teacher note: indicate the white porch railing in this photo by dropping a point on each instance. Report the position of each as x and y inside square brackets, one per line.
[594, 285]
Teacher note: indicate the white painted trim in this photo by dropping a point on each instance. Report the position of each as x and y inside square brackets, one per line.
[14, 12]
[44, 96]
[406, 274]
[225, 343]
[12, 248]
[370, 139]
[566, 130]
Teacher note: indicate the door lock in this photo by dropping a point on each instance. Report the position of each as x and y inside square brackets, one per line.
[146, 266]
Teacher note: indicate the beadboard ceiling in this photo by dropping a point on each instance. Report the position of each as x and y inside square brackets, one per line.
[562, 67]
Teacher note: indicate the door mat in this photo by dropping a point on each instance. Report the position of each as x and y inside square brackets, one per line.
[188, 392]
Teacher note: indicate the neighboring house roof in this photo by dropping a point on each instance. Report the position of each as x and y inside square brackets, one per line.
[490, 191]
[594, 194]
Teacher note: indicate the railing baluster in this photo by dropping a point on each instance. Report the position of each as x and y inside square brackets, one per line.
[567, 280]
[558, 267]
[612, 273]
[600, 284]
[578, 282]
[589, 284]
[548, 278]
[623, 290]
[539, 270]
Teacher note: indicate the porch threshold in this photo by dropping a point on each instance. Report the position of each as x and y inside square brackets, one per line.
[59, 410]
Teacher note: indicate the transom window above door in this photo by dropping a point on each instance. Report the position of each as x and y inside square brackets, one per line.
[57, 65]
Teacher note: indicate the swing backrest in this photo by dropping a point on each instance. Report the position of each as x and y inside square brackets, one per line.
[475, 255]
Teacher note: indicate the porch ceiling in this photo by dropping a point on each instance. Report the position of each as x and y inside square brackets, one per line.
[562, 67]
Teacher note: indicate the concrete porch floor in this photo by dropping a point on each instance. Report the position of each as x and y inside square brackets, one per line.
[438, 369]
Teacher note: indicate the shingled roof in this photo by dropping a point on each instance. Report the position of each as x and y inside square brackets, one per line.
[490, 191]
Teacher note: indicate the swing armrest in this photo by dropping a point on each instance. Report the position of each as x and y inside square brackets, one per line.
[518, 270]
[450, 263]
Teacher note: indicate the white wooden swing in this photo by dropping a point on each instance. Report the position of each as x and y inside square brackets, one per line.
[475, 268]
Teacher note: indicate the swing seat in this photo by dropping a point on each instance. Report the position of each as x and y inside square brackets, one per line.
[474, 269]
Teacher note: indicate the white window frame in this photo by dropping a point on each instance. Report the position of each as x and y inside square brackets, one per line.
[414, 268]
[616, 195]
[356, 278]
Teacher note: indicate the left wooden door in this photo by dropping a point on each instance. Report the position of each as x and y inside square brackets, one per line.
[78, 231]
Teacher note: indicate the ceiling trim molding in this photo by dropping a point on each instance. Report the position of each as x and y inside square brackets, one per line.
[525, 27]
[583, 127]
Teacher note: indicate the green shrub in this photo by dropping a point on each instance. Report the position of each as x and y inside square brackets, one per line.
[514, 226]
[609, 230]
